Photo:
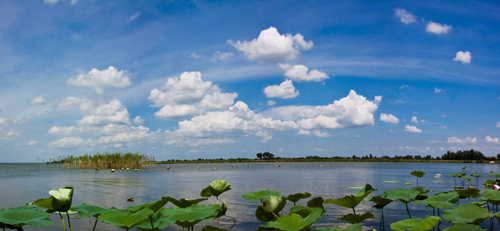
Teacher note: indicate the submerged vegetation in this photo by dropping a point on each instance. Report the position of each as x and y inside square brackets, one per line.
[302, 216]
[106, 161]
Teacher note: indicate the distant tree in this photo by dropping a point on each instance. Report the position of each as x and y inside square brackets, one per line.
[268, 155]
[259, 155]
[498, 156]
[371, 156]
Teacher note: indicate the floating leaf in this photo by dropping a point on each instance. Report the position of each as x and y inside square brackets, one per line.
[351, 201]
[467, 213]
[392, 181]
[59, 200]
[351, 218]
[417, 173]
[188, 217]
[86, 210]
[442, 200]
[490, 195]
[125, 219]
[19, 217]
[297, 196]
[302, 211]
[470, 192]
[353, 227]
[416, 223]
[270, 208]
[216, 188]
[295, 222]
[159, 220]
[400, 194]
[468, 227]
[184, 203]
[260, 195]
[153, 205]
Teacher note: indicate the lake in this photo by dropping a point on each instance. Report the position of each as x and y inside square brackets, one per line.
[22, 183]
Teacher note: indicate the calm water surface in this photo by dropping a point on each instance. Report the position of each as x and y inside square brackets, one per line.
[22, 183]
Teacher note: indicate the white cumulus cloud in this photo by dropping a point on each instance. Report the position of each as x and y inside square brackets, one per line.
[113, 112]
[299, 73]
[273, 47]
[410, 128]
[271, 103]
[389, 118]
[138, 120]
[468, 140]
[498, 125]
[414, 119]
[69, 103]
[285, 90]
[405, 16]
[465, 58]
[438, 90]
[318, 133]
[438, 28]
[490, 140]
[67, 142]
[97, 79]
[31, 143]
[219, 56]
[189, 95]
[38, 100]
[196, 56]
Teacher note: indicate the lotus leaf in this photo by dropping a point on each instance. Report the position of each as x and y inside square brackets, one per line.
[468, 227]
[216, 188]
[352, 218]
[353, 227]
[86, 210]
[59, 200]
[470, 192]
[417, 173]
[295, 222]
[400, 194]
[159, 220]
[316, 202]
[270, 208]
[351, 201]
[467, 214]
[18, 217]
[297, 196]
[490, 195]
[153, 205]
[188, 217]
[303, 211]
[496, 175]
[211, 228]
[381, 201]
[416, 224]
[442, 200]
[260, 195]
[223, 210]
[125, 219]
[489, 183]
[184, 203]
[390, 181]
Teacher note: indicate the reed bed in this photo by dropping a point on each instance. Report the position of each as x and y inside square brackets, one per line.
[109, 161]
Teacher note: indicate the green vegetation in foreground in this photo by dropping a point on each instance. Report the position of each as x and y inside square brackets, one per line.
[106, 161]
[187, 213]
[468, 156]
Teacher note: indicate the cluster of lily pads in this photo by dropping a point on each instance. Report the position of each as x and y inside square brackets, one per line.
[187, 213]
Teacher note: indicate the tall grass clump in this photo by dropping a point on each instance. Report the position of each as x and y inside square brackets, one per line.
[109, 161]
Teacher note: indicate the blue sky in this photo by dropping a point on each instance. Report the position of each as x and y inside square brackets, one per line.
[198, 79]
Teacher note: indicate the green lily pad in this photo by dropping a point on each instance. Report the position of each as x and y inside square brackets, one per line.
[190, 216]
[417, 173]
[390, 181]
[19, 217]
[184, 203]
[216, 188]
[468, 227]
[403, 195]
[159, 220]
[416, 223]
[490, 195]
[270, 208]
[381, 201]
[295, 222]
[351, 201]
[86, 210]
[260, 195]
[316, 202]
[470, 192]
[125, 219]
[442, 200]
[351, 218]
[59, 200]
[353, 227]
[153, 205]
[297, 196]
[467, 214]
[489, 183]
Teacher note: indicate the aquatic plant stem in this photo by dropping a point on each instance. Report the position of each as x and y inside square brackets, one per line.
[62, 219]
[353, 211]
[95, 224]
[407, 210]
[233, 220]
[152, 226]
[69, 223]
